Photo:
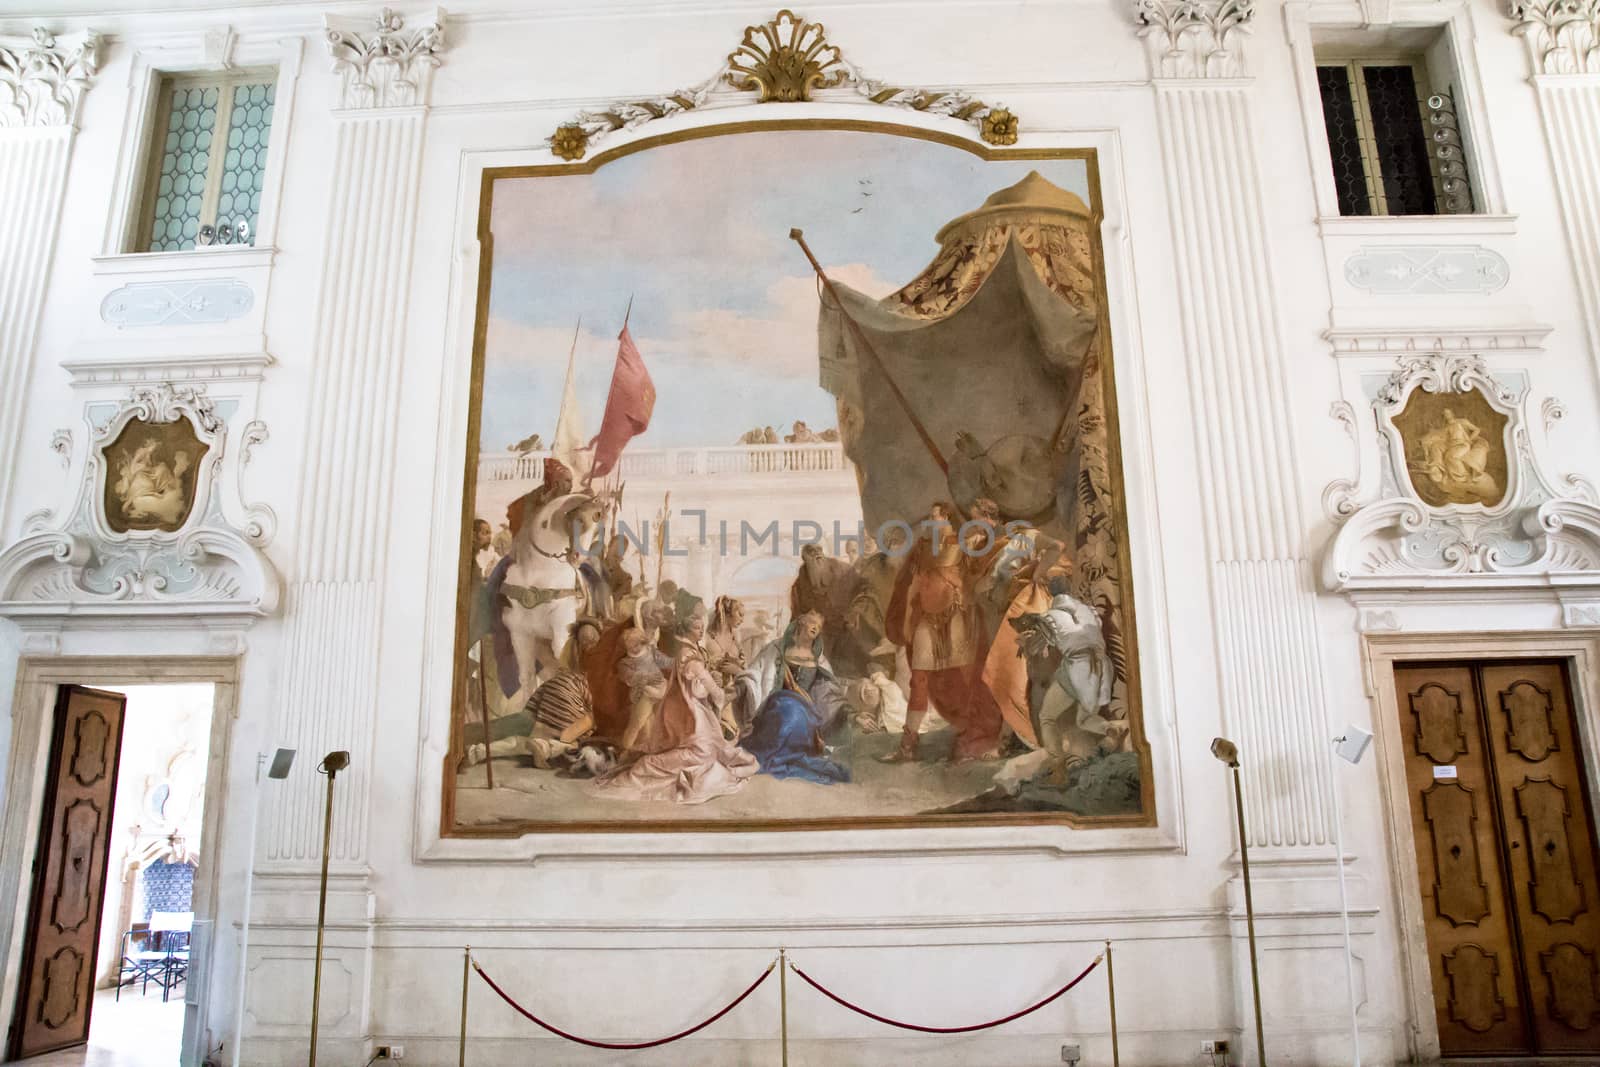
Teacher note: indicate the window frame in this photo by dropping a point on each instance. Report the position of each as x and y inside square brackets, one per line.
[167, 83]
[1354, 63]
[194, 54]
[1442, 31]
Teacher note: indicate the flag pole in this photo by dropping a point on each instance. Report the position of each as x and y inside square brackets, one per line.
[861, 338]
[627, 313]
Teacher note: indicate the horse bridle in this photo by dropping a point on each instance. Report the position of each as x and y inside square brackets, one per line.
[562, 555]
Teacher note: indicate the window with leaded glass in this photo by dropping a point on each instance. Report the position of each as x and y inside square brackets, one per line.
[1393, 139]
[208, 154]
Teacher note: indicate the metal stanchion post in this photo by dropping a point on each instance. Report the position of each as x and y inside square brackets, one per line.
[1111, 989]
[783, 1003]
[466, 971]
[1228, 753]
[331, 765]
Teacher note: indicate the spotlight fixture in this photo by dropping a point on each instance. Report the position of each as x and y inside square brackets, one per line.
[282, 760]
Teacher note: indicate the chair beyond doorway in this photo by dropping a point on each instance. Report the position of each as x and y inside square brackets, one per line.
[162, 956]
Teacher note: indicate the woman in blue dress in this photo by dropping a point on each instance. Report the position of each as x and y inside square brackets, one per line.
[803, 701]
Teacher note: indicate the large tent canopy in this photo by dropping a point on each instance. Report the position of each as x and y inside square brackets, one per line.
[995, 339]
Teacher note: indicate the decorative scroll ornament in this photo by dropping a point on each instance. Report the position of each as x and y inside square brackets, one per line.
[61, 445]
[785, 60]
[392, 67]
[1401, 270]
[1195, 38]
[152, 531]
[1563, 36]
[42, 80]
[1459, 491]
[173, 303]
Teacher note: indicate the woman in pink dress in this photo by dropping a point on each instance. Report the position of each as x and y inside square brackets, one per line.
[686, 750]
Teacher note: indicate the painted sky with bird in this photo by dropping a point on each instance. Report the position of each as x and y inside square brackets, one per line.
[724, 305]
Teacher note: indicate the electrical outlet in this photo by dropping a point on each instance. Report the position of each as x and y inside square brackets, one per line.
[1220, 1046]
[389, 1052]
[1070, 1054]
[1206, 1048]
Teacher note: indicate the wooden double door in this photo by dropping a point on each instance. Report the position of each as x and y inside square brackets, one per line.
[1506, 854]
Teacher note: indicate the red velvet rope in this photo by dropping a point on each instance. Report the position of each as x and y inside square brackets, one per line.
[621, 1046]
[837, 999]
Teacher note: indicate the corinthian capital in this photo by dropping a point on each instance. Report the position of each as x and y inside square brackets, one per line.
[382, 63]
[43, 79]
[1563, 35]
[1195, 38]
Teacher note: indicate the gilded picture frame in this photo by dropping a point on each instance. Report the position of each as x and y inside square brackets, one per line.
[459, 818]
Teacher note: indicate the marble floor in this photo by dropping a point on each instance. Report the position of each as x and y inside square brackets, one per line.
[137, 1031]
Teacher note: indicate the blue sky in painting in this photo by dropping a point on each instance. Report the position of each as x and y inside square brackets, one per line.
[724, 304]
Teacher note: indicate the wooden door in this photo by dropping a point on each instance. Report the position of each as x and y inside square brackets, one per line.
[1533, 743]
[56, 987]
[1505, 854]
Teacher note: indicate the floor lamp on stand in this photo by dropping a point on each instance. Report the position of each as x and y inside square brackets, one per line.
[331, 765]
[1228, 753]
[1350, 747]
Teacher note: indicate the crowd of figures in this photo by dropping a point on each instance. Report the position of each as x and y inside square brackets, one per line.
[657, 693]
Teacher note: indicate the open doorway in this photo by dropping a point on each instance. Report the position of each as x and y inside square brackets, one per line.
[130, 871]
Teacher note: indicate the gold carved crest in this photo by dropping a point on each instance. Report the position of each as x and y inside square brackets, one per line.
[783, 60]
[150, 471]
[1455, 448]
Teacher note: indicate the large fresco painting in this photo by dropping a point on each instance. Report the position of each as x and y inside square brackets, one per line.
[793, 495]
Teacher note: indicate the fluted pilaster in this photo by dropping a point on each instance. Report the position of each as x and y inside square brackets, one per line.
[335, 607]
[42, 81]
[1563, 39]
[1262, 599]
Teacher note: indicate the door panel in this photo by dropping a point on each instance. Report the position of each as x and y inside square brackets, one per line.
[1476, 977]
[57, 978]
[1549, 837]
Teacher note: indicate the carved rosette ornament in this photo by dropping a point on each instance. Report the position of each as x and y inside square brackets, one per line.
[382, 63]
[787, 59]
[1563, 36]
[1195, 38]
[1457, 491]
[43, 79]
[151, 529]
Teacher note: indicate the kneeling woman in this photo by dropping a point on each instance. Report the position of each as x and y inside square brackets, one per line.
[680, 739]
[803, 700]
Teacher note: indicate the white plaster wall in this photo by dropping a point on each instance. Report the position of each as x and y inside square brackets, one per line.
[625, 937]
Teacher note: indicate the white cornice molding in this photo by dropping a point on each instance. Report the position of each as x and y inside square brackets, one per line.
[1563, 36]
[381, 64]
[43, 78]
[1195, 39]
[1379, 340]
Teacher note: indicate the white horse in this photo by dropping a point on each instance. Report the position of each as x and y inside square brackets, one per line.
[542, 592]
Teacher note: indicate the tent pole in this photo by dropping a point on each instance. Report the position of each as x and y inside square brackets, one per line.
[861, 338]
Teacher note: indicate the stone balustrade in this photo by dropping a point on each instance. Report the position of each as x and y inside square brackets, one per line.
[678, 463]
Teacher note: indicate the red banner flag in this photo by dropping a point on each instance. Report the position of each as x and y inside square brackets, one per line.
[628, 406]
